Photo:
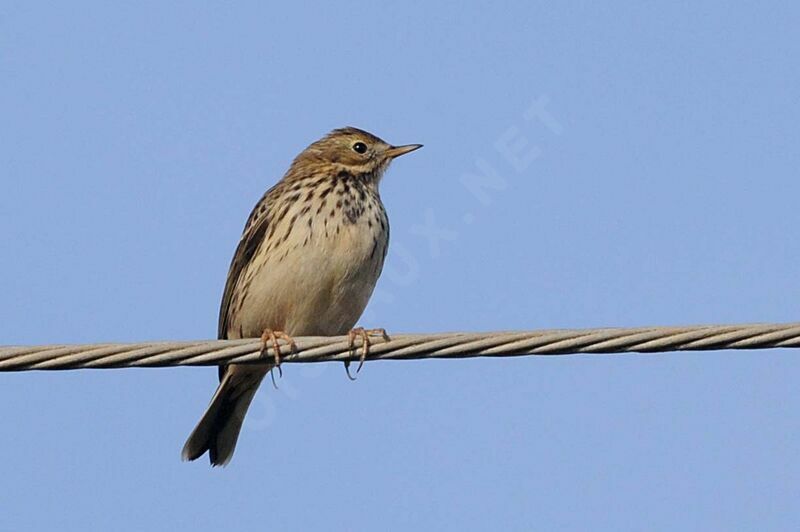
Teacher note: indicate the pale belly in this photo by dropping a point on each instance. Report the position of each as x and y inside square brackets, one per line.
[317, 289]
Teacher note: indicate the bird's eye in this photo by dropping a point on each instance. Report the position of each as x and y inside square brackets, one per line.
[360, 147]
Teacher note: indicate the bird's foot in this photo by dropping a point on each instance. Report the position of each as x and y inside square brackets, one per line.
[364, 334]
[272, 337]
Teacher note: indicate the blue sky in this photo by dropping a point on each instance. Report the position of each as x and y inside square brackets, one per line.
[639, 168]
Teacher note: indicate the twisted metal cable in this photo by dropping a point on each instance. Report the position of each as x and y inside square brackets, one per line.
[405, 346]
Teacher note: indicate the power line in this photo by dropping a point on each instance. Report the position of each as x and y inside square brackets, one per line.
[405, 347]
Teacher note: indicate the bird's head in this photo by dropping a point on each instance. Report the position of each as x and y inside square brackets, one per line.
[349, 150]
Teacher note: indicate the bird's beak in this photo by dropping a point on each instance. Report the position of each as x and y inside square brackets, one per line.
[397, 151]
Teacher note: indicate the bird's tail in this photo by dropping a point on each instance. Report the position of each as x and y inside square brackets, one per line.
[219, 427]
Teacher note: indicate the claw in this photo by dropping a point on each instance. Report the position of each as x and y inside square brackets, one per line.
[272, 336]
[365, 343]
[347, 370]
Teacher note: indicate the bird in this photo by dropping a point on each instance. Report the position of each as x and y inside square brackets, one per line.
[306, 264]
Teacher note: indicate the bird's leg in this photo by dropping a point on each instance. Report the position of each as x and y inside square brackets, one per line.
[272, 336]
[364, 334]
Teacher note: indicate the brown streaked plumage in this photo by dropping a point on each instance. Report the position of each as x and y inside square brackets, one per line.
[306, 264]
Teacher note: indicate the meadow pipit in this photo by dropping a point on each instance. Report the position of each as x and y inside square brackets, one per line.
[307, 262]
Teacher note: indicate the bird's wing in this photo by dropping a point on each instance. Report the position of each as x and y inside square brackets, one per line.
[252, 237]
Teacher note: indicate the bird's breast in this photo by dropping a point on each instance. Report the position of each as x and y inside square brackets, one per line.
[315, 273]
